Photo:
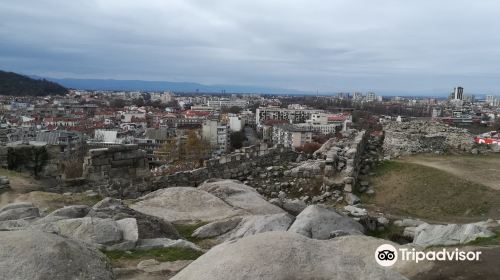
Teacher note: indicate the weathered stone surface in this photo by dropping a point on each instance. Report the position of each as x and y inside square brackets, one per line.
[15, 211]
[155, 267]
[293, 206]
[183, 204]
[318, 222]
[41, 256]
[148, 226]
[428, 235]
[91, 230]
[153, 243]
[216, 228]
[240, 196]
[73, 211]
[285, 255]
[212, 201]
[251, 225]
[128, 227]
[13, 225]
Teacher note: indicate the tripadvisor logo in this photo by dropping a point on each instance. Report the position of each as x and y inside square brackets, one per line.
[387, 255]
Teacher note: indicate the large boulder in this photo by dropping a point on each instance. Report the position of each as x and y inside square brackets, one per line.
[148, 226]
[240, 196]
[239, 227]
[286, 255]
[185, 204]
[319, 222]
[212, 201]
[429, 235]
[21, 210]
[91, 230]
[41, 256]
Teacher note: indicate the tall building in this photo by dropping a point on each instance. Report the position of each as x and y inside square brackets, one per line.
[458, 93]
[371, 96]
[491, 100]
[217, 134]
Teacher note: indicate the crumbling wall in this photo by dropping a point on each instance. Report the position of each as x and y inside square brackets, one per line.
[406, 138]
[116, 162]
[231, 166]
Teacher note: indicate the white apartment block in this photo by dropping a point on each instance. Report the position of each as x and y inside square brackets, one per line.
[217, 134]
[290, 115]
[291, 136]
[227, 103]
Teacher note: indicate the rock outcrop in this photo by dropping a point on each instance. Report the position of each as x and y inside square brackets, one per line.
[239, 227]
[212, 201]
[319, 222]
[286, 255]
[37, 255]
[452, 234]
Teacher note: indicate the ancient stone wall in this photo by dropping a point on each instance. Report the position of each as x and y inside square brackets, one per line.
[231, 166]
[406, 138]
[116, 162]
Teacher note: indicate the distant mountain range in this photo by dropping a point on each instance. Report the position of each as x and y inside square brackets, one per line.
[138, 85]
[19, 85]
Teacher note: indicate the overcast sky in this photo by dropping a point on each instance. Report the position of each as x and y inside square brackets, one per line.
[426, 46]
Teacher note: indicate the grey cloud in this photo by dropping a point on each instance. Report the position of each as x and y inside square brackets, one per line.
[381, 45]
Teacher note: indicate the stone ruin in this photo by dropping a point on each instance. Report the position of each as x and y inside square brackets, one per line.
[238, 165]
[331, 174]
[406, 138]
[115, 162]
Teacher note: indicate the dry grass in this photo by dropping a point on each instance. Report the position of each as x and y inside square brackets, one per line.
[409, 189]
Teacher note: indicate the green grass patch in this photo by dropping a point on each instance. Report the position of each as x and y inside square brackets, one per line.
[160, 254]
[483, 241]
[420, 191]
[186, 231]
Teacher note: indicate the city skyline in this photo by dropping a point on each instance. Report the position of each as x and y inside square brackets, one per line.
[330, 46]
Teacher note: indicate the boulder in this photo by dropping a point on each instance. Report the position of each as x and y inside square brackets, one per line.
[240, 196]
[214, 200]
[185, 204]
[73, 211]
[128, 227]
[318, 222]
[432, 235]
[38, 256]
[286, 255]
[148, 226]
[21, 210]
[293, 206]
[255, 224]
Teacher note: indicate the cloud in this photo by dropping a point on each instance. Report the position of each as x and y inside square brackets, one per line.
[330, 45]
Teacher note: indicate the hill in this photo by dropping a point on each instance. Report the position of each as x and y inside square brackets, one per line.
[19, 85]
[107, 84]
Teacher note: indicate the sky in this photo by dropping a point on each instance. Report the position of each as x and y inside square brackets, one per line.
[386, 46]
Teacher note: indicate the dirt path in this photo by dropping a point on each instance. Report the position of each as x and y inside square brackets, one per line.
[484, 170]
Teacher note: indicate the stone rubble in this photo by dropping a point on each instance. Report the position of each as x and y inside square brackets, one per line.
[407, 138]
